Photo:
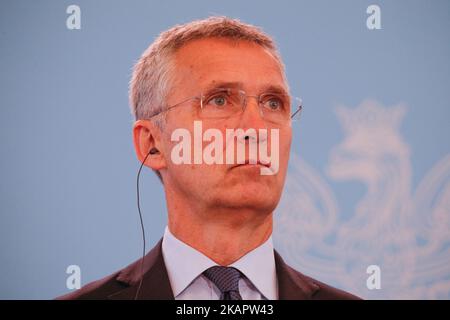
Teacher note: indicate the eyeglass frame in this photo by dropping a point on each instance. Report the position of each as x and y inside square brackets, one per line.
[297, 110]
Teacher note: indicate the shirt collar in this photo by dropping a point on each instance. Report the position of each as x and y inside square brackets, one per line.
[183, 263]
[258, 265]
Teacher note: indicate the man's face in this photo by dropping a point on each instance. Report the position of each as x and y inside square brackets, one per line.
[202, 64]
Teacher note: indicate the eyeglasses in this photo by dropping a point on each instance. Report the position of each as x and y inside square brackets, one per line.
[222, 103]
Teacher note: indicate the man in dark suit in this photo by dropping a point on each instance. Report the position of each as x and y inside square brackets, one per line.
[122, 285]
[210, 98]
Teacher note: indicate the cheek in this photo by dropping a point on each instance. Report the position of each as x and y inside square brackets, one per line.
[285, 142]
[184, 176]
[285, 150]
[195, 174]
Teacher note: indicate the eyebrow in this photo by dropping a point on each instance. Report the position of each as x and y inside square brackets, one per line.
[239, 85]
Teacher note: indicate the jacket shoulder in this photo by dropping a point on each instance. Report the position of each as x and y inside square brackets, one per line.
[325, 291]
[117, 282]
[294, 285]
[96, 290]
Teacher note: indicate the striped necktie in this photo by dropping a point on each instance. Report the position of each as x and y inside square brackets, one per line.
[227, 280]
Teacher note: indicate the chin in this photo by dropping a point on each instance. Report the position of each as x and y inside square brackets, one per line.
[253, 200]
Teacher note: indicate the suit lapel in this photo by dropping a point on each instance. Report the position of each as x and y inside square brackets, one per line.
[155, 284]
[292, 285]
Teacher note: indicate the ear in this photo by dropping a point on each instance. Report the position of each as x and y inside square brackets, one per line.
[147, 136]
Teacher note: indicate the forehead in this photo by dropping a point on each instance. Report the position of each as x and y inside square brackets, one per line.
[202, 62]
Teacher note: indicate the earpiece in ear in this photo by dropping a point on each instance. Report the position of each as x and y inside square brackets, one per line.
[154, 151]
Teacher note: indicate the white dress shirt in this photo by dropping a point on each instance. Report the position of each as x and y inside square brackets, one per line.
[185, 266]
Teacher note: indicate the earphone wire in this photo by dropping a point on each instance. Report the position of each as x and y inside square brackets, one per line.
[142, 227]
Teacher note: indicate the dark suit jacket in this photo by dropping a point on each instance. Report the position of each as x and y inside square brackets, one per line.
[292, 285]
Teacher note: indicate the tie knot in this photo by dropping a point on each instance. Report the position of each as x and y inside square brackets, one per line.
[225, 278]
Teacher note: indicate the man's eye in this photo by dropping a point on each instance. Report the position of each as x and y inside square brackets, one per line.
[274, 104]
[217, 101]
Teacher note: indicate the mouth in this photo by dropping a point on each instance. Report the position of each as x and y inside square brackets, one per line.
[247, 164]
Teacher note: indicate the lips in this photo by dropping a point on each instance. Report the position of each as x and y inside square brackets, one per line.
[247, 163]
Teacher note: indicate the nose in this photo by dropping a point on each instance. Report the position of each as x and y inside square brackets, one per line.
[252, 116]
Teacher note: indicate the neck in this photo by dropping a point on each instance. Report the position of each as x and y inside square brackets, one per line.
[222, 234]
